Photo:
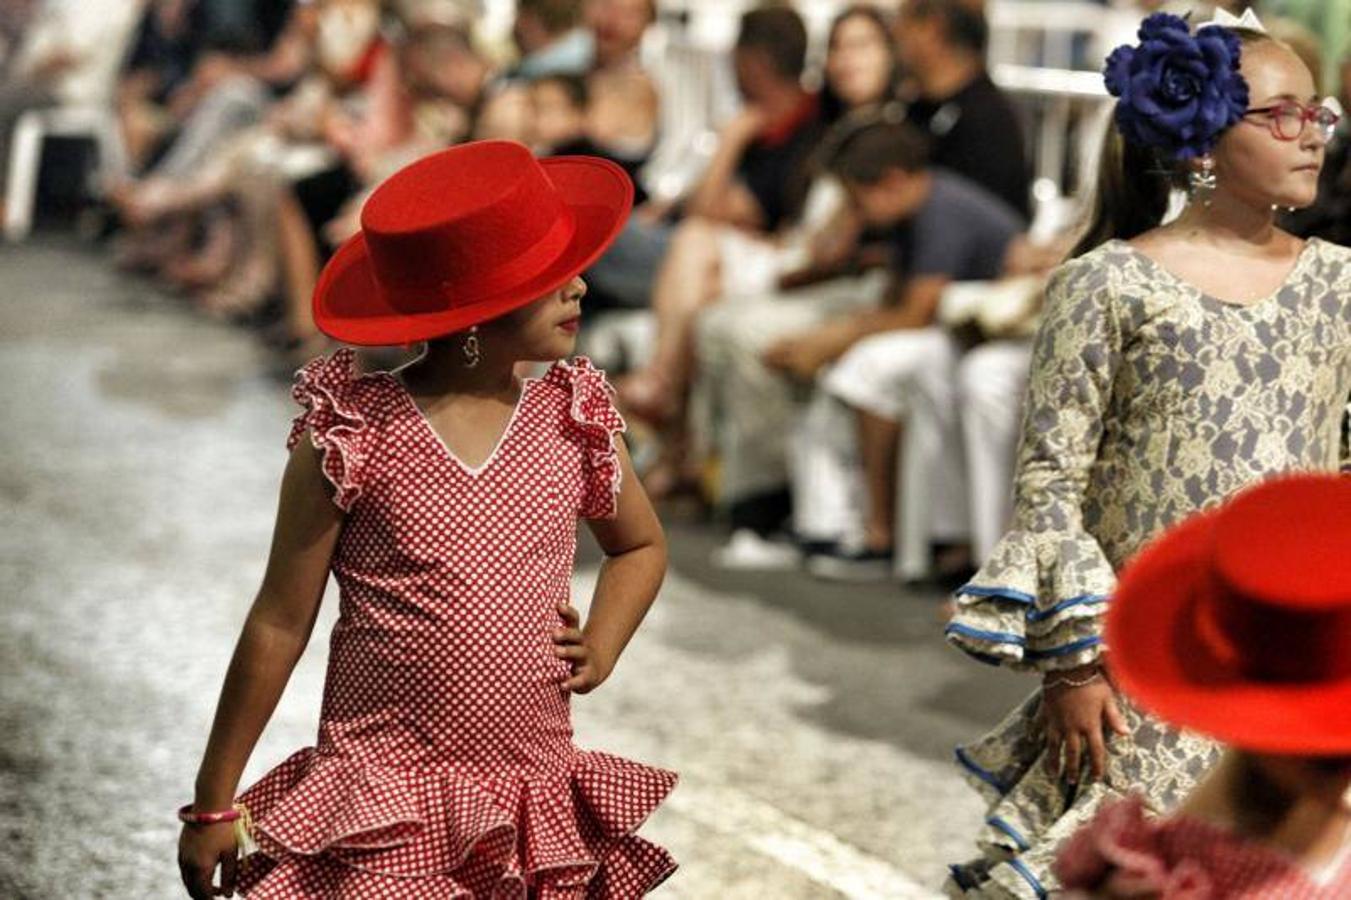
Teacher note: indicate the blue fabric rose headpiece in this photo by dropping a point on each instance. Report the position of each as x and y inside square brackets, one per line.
[1177, 92]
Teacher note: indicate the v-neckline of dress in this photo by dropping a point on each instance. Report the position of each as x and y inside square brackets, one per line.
[1296, 269]
[473, 471]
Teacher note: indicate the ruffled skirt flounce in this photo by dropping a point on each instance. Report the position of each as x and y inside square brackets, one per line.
[335, 827]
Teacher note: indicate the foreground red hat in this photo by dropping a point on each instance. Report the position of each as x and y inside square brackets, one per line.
[466, 235]
[1237, 623]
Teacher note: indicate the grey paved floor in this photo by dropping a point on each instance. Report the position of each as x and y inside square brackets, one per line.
[141, 453]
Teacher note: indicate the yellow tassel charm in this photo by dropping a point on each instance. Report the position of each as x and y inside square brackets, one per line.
[244, 831]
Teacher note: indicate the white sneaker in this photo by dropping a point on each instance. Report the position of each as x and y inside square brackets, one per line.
[747, 551]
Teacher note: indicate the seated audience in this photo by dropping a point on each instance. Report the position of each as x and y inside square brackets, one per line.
[708, 259]
[756, 180]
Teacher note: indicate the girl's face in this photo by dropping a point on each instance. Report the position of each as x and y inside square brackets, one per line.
[859, 62]
[618, 25]
[543, 331]
[1251, 162]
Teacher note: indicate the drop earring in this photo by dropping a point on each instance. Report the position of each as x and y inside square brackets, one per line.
[1202, 181]
[471, 349]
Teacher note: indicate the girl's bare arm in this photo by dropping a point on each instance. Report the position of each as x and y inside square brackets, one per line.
[635, 563]
[277, 628]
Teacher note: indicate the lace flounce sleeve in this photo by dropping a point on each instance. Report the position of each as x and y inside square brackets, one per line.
[1037, 603]
[594, 416]
[324, 388]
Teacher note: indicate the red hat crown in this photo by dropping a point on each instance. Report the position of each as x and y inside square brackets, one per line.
[466, 235]
[442, 234]
[1280, 608]
[1237, 622]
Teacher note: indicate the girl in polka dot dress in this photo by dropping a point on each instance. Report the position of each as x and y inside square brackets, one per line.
[444, 497]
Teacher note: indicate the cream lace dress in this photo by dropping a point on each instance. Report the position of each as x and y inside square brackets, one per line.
[1149, 400]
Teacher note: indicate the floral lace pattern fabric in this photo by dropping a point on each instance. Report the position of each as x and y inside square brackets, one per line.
[1149, 400]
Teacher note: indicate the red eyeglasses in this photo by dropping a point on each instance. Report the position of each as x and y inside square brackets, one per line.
[1287, 120]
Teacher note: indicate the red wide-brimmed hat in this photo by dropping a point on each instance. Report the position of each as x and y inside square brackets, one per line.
[1237, 623]
[466, 235]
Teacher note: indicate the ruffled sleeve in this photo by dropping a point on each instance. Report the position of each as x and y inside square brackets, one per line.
[1038, 602]
[597, 420]
[324, 387]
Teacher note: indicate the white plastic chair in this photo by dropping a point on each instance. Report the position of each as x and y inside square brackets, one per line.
[25, 162]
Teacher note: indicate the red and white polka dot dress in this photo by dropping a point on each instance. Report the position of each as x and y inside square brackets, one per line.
[1121, 852]
[444, 766]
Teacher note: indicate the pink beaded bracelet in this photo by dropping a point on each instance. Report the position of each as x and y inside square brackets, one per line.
[186, 815]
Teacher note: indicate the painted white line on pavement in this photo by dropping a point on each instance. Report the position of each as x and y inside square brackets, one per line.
[818, 854]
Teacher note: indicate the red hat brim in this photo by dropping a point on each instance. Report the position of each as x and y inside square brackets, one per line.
[350, 306]
[1159, 660]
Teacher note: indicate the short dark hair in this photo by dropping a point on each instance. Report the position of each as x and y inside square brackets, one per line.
[779, 33]
[874, 148]
[963, 23]
[572, 84]
[555, 15]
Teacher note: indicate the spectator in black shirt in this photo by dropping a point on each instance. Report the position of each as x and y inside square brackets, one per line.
[973, 126]
[757, 177]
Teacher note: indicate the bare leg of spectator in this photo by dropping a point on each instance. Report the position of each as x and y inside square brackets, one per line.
[885, 379]
[207, 264]
[748, 407]
[256, 267]
[686, 283]
[878, 439]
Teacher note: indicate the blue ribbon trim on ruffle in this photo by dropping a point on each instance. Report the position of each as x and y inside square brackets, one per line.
[1033, 614]
[1031, 879]
[1012, 832]
[1017, 640]
[1036, 615]
[1063, 649]
[988, 777]
[994, 637]
[1004, 593]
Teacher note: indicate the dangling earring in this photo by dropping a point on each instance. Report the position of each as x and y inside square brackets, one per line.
[1202, 181]
[472, 352]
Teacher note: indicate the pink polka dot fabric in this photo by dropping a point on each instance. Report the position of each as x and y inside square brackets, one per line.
[444, 765]
[1123, 853]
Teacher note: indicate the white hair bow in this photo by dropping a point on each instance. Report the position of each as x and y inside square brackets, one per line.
[1226, 19]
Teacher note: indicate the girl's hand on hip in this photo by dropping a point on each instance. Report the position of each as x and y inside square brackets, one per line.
[1079, 717]
[588, 669]
[200, 849]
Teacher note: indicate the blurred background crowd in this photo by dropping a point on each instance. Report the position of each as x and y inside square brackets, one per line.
[819, 313]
